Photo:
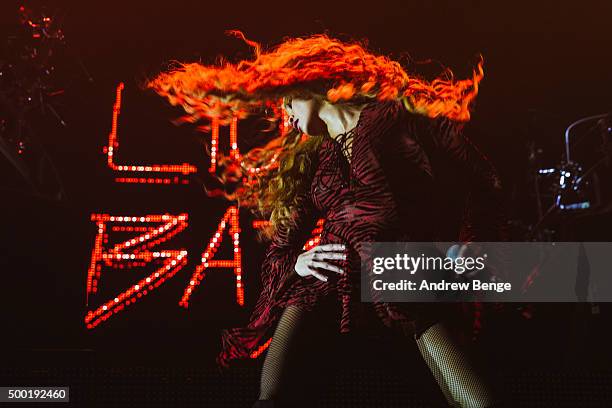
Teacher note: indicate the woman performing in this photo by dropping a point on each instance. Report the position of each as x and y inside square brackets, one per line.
[380, 156]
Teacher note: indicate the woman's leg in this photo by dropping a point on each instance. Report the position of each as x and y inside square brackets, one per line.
[301, 355]
[276, 362]
[452, 368]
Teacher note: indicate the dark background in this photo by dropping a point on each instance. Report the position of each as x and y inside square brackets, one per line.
[547, 63]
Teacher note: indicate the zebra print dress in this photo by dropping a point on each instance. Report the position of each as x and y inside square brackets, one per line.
[402, 183]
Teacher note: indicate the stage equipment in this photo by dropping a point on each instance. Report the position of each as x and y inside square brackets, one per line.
[29, 88]
[581, 184]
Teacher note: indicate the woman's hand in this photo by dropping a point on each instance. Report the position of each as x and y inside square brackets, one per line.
[312, 261]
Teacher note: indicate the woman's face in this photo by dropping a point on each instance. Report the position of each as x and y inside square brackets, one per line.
[304, 115]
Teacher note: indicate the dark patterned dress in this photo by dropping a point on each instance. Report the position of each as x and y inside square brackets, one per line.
[410, 178]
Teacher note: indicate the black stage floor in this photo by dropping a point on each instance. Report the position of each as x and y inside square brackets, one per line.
[385, 375]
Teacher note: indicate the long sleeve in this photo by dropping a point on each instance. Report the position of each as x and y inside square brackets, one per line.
[277, 271]
[421, 156]
[406, 167]
[484, 216]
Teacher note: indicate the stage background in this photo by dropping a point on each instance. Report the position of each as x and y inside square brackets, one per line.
[546, 64]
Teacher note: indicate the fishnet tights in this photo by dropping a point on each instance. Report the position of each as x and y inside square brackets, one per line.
[450, 364]
[460, 383]
[275, 364]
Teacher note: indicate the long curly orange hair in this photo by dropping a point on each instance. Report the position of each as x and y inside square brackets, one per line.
[317, 65]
